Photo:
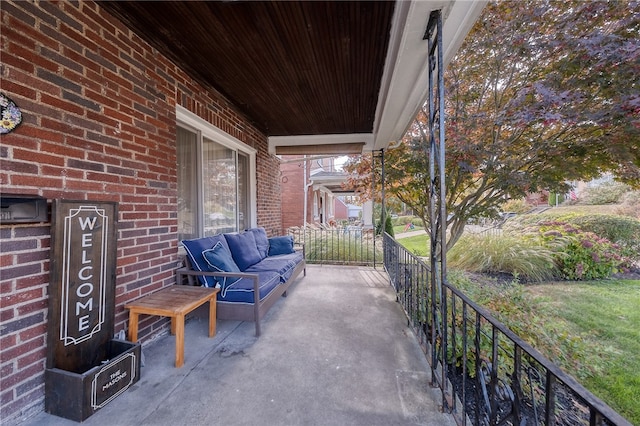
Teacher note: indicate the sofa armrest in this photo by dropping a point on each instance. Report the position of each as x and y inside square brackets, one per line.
[190, 273]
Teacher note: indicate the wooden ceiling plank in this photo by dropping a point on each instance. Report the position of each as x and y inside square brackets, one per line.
[298, 67]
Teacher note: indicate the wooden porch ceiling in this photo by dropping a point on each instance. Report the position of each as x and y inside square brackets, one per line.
[295, 68]
[313, 75]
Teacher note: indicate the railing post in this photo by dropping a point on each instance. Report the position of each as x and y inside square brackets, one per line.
[478, 366]
[382, 183]
[373, 204]
[464, 362]
[437, 189]
[595, 418]
[453, 344]
[516, 382]
[493, 418]
[550, 401]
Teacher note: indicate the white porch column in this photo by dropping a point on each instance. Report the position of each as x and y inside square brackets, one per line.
[367, 213]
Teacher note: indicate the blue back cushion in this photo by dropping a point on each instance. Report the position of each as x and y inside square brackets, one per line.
[219, 259]
[194, 249]
[243, 249]
[262, 242]
[281, 245]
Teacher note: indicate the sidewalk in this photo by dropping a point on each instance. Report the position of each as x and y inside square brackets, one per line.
[410, 234]
[336, 351]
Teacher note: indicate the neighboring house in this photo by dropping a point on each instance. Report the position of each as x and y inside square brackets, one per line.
[310, 187]
[340, 209]
[293, 190]
[177, 112]
[354, 212]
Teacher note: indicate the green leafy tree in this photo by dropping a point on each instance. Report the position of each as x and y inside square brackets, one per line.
[540, 93]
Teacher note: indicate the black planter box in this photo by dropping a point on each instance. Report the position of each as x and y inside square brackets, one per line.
[77, 396]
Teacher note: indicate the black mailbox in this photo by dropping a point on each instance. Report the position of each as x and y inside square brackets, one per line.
[17, 208]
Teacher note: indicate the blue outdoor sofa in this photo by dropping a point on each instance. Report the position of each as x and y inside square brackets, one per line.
[243, 265]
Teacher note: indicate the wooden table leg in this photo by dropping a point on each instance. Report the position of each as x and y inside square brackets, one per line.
[179, 320]
[174, 302]
[212, 316]
[133, 326]
[173, 326]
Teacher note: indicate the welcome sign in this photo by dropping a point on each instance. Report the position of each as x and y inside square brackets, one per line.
[84, 273]
[82, 297]
[86, 367]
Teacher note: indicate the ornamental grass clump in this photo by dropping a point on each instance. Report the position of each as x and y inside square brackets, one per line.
[524, 258]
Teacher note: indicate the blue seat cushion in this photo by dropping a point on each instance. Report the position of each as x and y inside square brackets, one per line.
[262, 242]
[281, 245]
[194, 249]
[219, 259]
[242, 290]
[243, 249]
[283, 264]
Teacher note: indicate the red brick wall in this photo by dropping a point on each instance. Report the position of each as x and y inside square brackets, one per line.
[99, 118]
[341, 211]
[268, 181]
[292, 194]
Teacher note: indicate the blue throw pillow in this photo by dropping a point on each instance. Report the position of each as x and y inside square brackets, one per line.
[243, 249]
[281, 245]
[262, 242]
[219, 259]
[194, 249]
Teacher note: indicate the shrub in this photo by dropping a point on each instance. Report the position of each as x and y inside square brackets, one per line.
[403, 220]
[606, 193]
[630, 204]
[621, 230]
[388, 226]
[517, 206]
[521, 257]
[555, 199]
[581, 255]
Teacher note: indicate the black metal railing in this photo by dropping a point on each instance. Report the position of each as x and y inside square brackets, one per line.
[486, 373]
[349, 245]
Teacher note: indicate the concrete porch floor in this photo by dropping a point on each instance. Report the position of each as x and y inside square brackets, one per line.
[336, 351]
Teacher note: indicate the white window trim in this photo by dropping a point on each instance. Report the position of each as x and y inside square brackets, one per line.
[209, 131]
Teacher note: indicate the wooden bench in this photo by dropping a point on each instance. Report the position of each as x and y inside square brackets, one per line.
[175, 302]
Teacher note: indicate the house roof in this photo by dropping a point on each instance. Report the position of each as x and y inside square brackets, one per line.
[331, 181]
[318, 77]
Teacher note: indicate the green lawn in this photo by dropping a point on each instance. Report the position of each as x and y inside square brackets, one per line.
[398, 229]
[604, 317]
[418, 244]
